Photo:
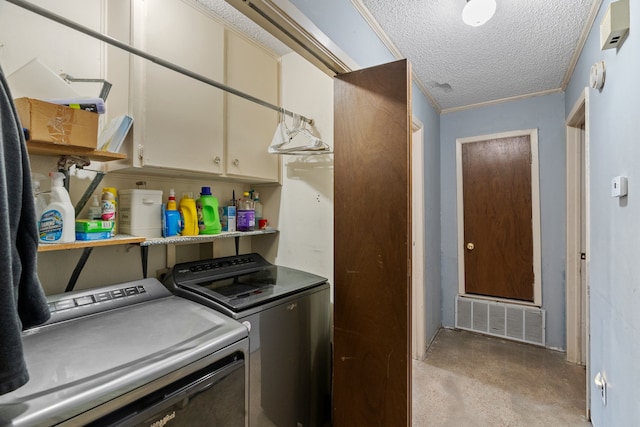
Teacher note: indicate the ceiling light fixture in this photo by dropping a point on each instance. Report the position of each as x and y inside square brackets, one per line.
[478, 12]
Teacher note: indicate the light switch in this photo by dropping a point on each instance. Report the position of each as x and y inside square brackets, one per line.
[619, 186]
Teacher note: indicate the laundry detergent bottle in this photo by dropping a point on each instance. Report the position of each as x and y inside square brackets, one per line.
[245, 215]
[172, 221]
[189, 215]
[208, 216]
[57, 223]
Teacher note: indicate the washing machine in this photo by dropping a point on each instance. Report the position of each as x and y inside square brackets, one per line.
[287, 312]
[132, 354]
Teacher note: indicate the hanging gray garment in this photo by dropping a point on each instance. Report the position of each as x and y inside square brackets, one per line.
[22, 301]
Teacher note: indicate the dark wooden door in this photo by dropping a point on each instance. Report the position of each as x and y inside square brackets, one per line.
[498, 227]
[372, 247]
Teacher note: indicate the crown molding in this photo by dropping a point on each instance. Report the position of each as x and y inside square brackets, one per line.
[500, 101]
[595, 7]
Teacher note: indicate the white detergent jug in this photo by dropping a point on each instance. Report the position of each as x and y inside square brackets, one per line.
[57, 223]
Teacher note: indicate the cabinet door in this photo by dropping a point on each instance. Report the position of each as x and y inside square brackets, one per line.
[178, 120]
[250, 126]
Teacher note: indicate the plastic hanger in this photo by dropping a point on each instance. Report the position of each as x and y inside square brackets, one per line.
[296, 139]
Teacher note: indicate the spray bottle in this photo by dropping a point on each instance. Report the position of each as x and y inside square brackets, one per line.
[57, 223]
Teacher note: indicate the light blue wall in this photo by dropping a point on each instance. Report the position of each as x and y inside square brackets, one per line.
[615, 227]
[343, 24]
[545, 113]
[614, 268]
[433, 291]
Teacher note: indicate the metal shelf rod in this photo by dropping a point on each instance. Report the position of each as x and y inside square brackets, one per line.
[114, 42]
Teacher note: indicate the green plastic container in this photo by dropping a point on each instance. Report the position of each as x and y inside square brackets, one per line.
[208, 215]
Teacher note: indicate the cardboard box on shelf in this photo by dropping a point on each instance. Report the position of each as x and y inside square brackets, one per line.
[58, 124]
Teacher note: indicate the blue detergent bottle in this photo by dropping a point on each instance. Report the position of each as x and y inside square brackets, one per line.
[172, 221]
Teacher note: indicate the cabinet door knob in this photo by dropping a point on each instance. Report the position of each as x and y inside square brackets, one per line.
[471, 246]
[236, 162]
[217, 160]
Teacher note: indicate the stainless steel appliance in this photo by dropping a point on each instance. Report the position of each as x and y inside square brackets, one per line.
[288, 314]
[132, 354]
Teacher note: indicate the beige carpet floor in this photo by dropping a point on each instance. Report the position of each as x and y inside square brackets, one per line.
[469, 379]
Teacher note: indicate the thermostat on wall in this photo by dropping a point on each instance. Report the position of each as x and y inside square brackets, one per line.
[619, 186]
[614, 27]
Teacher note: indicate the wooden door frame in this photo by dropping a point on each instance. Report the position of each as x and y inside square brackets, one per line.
[574, 292]
[535, 207]
[418, 335]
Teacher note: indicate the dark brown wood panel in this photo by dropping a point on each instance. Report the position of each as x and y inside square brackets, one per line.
[498, 218]
[372, 199]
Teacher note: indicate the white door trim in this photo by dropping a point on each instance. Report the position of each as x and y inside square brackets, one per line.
[535, 207]
[418, 316]
[575, 292]
[576, 117]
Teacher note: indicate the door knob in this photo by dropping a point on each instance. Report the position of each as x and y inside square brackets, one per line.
[470, 246]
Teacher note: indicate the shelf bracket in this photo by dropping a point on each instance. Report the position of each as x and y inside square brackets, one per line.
[86, 252]
[144, 254]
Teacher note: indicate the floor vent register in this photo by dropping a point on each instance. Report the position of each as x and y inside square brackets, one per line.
[510, 321]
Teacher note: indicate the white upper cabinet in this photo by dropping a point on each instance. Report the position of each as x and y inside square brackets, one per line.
[178, 120]
[182, 125]
[250, 127]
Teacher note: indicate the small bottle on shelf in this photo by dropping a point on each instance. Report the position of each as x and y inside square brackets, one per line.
[257, 206]
[245, 214]
[109, 206]
[95, 210]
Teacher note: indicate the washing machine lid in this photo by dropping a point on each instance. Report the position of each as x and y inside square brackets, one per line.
[78, 363]
[245, 291]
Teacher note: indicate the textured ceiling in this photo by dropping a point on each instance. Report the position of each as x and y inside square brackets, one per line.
[526, 48]
[237, 20]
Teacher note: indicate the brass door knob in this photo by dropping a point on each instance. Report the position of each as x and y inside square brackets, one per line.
[470, 246]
